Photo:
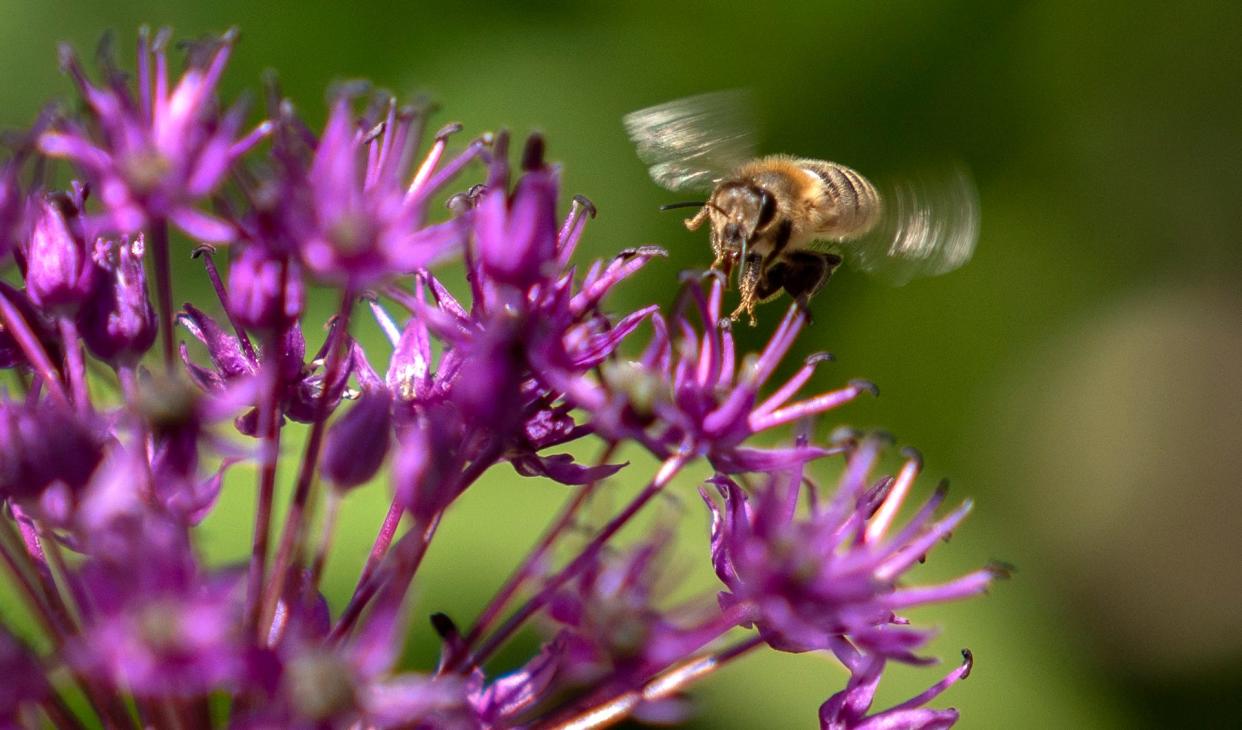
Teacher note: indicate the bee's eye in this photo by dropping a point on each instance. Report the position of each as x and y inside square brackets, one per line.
[767, 208]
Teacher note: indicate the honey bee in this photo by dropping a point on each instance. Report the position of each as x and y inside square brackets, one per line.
[786, 223]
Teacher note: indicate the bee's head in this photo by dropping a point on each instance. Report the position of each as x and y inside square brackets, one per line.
[740, 212]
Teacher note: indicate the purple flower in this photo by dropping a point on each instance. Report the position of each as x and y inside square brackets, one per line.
[45, 445]
[299, 384]
[118, 323]
[529, 363]
[688, 393]
[431, 453]
[612, 625]
[161, 625]
[265, 290]
[358, 214]
[847, 709]
[310, 682]
[811, 581]
[358, 442]
[18, 210]
[59, 273]
[517, 233]
[159, 151]
[494, 369]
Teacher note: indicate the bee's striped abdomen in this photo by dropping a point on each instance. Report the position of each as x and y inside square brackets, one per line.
[855, 202]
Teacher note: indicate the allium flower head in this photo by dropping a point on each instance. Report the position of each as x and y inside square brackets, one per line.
[359, 217]
[611, 622]
[689, 393]
[107, 473]
[494, 368]
[813, 581]
[160, 150]
[162, 626]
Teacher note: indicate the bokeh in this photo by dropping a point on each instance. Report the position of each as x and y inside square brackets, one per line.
[1081, 378]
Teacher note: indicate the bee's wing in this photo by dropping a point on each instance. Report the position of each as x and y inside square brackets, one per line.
[689, 143]
[929, 226]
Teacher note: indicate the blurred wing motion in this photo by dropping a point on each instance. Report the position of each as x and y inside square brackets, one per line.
[689, 143]
[929, 227]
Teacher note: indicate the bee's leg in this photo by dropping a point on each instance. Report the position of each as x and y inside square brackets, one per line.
[807, 274]
[748, 285]
[724, 264]
[724, 257]
[771, 282]
[694, 223]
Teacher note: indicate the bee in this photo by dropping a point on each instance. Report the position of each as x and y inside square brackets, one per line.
[786, 223]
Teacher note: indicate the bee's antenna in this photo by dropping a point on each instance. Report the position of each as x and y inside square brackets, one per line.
[693, 204]
[688, 204]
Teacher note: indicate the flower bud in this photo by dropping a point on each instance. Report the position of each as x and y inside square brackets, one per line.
[59, 272]
[118, 324]
[265, 290]
[424, 471]
[357, 443]
[517, 236]
[44, 444]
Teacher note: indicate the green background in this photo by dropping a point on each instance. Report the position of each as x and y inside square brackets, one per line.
[1079, 378]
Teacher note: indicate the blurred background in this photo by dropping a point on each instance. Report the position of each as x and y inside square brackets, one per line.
[1080, 378]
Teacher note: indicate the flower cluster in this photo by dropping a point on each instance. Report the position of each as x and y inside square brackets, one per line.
[111, 454]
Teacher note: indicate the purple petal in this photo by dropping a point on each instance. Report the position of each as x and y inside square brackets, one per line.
[562, 468]
[202, 226]
[224, 349]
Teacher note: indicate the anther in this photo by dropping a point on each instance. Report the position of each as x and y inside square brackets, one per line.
[626, 253]
[444, 626]
[448, 130]
[160, 43]
[866, 385]
[586, 204]
[350, 89]
[884, 438]
[843, 435]
[532, 155]
[373, 133]
[1001, 569]
[66, 57]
